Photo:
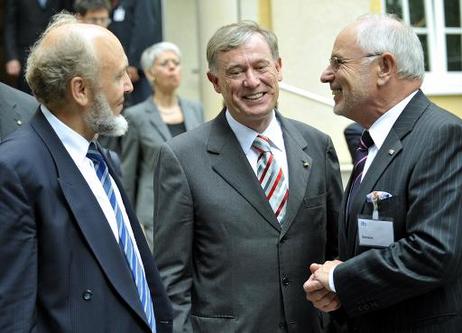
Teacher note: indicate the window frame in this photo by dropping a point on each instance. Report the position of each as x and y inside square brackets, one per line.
[437, 81]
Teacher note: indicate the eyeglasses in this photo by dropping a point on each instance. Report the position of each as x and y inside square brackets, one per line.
[336, 62]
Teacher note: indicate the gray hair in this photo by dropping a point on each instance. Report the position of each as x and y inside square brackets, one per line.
[150, 54]
[50, 68]
[386, 33]
[234, 35]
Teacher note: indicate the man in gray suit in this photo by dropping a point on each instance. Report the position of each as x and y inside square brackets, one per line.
[233, 249]
[400, 239]
[16, 108]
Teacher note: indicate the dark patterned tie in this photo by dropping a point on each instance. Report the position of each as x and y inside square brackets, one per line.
[360, 160]
[271, 177]
[125, 241]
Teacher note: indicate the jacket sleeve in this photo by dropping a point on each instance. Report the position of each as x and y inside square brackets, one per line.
[18, 254]
[130, 156]
[334, 198]
[174, 219]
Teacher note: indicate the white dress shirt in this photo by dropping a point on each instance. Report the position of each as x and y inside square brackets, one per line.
[246, 136]
[77, 147]
[379, 132]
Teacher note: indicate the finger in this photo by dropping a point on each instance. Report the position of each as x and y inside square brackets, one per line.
[314, 267]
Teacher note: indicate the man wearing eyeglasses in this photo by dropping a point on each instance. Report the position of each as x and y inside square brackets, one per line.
[400, 238]
[93, 12]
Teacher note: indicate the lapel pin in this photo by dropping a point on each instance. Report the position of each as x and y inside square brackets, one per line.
[306, 164]
[391, 152]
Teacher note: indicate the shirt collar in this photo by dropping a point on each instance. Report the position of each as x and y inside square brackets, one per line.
[75, 144]
[246, 136]
[382, 126]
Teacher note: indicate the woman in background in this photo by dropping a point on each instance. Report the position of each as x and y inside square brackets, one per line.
[152, 122]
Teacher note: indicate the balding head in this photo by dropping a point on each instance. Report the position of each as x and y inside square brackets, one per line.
[65, 50]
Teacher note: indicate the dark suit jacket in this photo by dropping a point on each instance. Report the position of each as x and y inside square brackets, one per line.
[16, 108]
[63, 269]
[352, 134]
[25, 20]
[140, 147]
[416, 283]
[226, 262]
[136, 32]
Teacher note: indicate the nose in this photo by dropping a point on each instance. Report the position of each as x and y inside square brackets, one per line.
[327, 75]
[128, 86]
[251, 79]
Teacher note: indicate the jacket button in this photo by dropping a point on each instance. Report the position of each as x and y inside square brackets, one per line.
[285, 281]
[87, 295]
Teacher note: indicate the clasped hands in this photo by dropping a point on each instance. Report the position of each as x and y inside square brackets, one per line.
[317, 287]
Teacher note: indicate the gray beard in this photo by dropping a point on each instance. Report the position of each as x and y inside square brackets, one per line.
[102, 121]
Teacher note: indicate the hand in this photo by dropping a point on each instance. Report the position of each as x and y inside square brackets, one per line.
[321, 272]
[320, 295]
[133, 73]
[13, 67]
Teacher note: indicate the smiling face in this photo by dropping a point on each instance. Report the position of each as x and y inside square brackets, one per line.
[351, 76]
[247, 77]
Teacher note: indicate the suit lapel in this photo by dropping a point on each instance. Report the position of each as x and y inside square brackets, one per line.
[229, 161]
[190, 120]
[299, 165]
[390, 149]
[89, 216]
[156, 121]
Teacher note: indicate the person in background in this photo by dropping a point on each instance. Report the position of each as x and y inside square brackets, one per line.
[400, 239]
[93, 11]
[244, 202]
[152, 122]
[133, 24]
[352, 134]
[25, 20]
[74, 253]
[16, 108]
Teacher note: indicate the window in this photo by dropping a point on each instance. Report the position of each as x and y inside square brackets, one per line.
[438, 24]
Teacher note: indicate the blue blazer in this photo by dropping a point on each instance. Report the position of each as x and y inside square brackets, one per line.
[63, 269]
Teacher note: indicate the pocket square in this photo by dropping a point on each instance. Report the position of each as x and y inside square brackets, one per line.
[377, 196]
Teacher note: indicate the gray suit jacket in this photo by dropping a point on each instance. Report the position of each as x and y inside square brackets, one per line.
[226, 262]
[140, 146]
[16, 108]
[416, 283]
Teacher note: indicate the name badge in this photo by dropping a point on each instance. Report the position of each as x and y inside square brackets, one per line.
[377, 233]
[119, 14]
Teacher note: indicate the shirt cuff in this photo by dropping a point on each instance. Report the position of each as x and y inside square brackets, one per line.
[331, 280]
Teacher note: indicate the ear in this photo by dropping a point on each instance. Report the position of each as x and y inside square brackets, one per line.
[149, 75]
[214, 79]
[278, 65]
[80, 91]
[386, 69]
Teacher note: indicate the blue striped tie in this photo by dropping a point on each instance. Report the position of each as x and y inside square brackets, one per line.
[125, 241]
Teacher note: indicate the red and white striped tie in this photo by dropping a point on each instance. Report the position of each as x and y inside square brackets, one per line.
[271, 177]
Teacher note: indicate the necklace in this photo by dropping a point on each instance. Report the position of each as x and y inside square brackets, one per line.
[167, 112]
